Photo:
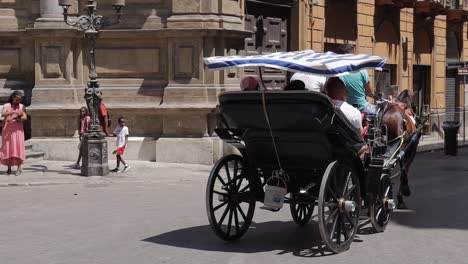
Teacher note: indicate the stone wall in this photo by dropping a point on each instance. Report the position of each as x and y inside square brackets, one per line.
[149, 68]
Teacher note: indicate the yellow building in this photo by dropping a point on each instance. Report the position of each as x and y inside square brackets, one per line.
[423, 41]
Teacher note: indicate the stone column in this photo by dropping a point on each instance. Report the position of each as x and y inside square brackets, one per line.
[50, 15]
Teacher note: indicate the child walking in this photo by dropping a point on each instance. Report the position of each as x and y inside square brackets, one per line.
[121, 134]
[83, 125]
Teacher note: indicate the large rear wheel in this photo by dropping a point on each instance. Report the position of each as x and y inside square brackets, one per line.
[230, 203]
[339, 205]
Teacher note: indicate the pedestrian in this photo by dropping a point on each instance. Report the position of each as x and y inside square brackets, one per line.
[13, 147]
[83, 126]
[104, 119]
[121, 134]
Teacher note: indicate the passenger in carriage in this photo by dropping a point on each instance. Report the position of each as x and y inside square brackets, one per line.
[337, 91]
[249, 83]
[296, 85]
[357, 84]
[312, 82]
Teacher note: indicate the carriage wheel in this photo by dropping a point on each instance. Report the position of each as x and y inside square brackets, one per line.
[301, 212]
[383, 206]
[339, 205]
[230, 203]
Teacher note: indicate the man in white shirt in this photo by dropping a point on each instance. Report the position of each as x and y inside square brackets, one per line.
[312, 82]
[337, 91]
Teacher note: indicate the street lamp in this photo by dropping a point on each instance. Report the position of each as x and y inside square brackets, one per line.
[94, 142]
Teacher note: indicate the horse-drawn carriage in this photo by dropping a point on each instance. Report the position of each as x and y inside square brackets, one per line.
[298, 148]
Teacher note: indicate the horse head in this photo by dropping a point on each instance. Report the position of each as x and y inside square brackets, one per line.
[405, 97]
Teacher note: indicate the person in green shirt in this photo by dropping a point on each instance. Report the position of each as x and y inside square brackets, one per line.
[358, 84]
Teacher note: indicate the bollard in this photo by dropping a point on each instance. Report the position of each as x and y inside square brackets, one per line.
[450, 137]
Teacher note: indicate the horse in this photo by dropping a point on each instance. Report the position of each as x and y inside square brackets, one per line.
[397, 119]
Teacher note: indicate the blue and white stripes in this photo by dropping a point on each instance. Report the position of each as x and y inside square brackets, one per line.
[327, 64]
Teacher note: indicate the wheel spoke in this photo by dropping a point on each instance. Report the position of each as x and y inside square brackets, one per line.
[350, 191]
[236, 219]
[223, 216]
[338, 232]
[245, 188]
[345, 187]
[241, 212]
[301, 212]
[332, 233]
[219, 206]
[331, 204]
[330, 190]
[240, 183]
[228, 174]
[349, 218]
[221, 179]
[220, 193]
[378, 213]
[229, 222]
[331, 216]
[345, 232]
[387, 191]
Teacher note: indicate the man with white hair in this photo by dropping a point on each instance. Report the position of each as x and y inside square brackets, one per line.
[312, 82]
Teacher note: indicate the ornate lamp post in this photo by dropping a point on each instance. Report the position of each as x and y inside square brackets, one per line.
[94, 142]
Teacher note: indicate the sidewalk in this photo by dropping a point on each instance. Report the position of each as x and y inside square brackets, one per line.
[46, 172]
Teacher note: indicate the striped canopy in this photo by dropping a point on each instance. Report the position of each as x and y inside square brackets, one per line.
[309, 61]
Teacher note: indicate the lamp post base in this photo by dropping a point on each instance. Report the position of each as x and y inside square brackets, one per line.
[94, 156]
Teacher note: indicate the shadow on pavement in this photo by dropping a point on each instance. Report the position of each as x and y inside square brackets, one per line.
[439, 185]
[288, 237]
[43, 168]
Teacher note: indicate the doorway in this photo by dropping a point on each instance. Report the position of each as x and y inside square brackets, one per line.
[422, 91]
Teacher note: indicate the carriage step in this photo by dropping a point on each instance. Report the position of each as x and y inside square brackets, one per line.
[304, 190]
[270, 209]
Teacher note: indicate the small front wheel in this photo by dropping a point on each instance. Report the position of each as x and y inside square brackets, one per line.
[383, 206]
[230, 202]
[301, 212]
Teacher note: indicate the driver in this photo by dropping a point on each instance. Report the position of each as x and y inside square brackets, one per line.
[357, 84]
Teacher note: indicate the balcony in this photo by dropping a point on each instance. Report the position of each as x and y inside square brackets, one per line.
[396, 3]
[432, 7]
[457, 13]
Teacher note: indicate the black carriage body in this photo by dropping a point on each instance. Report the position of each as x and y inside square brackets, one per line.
[309, 131]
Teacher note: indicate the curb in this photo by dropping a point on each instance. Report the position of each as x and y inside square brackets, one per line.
[27, 184]
[437, 146]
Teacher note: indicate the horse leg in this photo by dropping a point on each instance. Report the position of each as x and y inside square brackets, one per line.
[404, 186]
[400, 203]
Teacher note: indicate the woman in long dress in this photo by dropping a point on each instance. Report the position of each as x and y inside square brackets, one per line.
[13, 147]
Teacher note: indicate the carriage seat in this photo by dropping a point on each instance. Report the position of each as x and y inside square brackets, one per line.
[306, 125]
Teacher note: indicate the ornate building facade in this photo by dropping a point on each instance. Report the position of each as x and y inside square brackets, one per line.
[151, 71]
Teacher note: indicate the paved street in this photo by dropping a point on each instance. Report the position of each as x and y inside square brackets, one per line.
[156, 214]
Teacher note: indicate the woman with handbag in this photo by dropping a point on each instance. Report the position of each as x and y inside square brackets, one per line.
[13, 146]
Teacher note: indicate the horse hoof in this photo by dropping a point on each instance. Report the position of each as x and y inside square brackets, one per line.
[405, 190]
[401, 205]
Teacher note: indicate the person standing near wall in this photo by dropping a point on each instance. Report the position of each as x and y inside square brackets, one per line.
[13, 146]
[83, 125]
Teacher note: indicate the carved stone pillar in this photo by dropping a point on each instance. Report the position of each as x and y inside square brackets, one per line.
[50, 15]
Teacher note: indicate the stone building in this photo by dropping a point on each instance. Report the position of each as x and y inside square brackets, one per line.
[151, 72]
[424, 41]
